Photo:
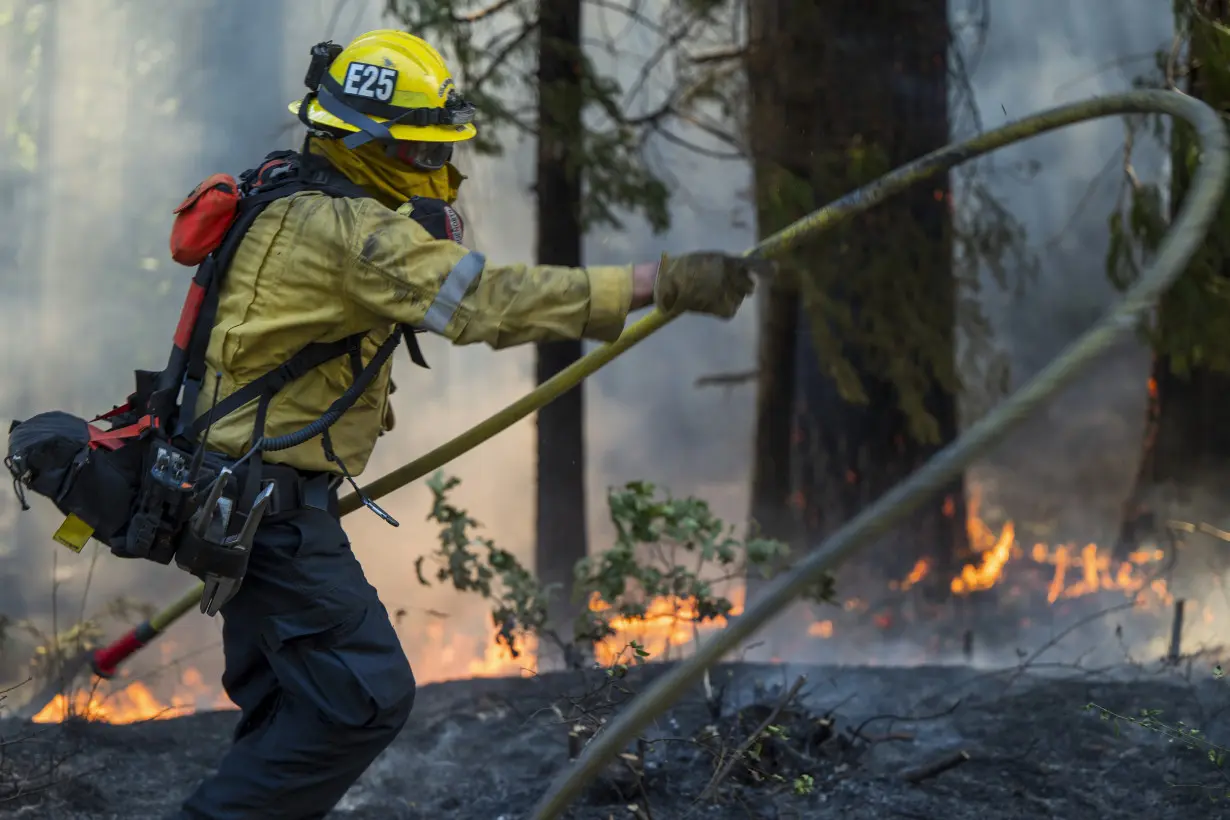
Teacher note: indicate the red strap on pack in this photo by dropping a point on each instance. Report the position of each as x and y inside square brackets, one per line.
[113, 412]
[263, 173]
[188, 316]
[114, 439]
[203, 218]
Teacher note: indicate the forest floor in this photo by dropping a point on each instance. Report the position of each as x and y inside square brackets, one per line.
[485, 749]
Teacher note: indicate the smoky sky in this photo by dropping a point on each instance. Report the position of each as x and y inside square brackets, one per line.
[146, 98]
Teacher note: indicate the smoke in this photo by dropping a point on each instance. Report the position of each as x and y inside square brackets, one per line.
[134, 101]
[127, 105]
[1071, 54]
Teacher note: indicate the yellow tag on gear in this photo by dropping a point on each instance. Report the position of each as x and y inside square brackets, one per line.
[74, 533]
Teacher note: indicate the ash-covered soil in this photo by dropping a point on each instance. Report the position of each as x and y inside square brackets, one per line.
[485, 749]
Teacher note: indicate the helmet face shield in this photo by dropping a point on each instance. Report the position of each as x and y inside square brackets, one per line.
[424, 156]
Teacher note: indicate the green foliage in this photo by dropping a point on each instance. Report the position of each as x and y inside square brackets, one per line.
[633, 654]
[475, 564]
[889, 311]
[1150, 720]
[1192, 328]
[665, 548]
[494, 48]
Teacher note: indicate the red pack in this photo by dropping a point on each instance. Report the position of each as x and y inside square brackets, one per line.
[203, 218]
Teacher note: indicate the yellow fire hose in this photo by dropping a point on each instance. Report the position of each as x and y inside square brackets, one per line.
[1181, 242]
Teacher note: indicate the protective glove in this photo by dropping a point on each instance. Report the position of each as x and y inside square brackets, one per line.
[707, 282]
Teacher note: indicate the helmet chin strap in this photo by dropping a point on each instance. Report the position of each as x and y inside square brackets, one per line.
[369, 129]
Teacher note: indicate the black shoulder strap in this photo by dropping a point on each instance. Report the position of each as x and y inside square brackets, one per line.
[281, 175]
[267, 384]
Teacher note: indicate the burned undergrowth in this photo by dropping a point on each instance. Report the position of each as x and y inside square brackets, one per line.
[756, 741]
[35, 765]
[773, 742]
[759, 741]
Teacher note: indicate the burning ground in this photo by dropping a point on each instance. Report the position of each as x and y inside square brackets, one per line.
[868, 741]
[874, 743]
[483, 747]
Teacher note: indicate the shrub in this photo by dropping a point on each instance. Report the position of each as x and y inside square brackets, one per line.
[667, 551]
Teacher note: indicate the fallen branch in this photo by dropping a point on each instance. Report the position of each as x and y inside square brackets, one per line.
[936, 767]
[857, 733]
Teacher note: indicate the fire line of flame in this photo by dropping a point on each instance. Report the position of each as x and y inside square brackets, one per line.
[1076, 572]
[134, 702]
[667, 626]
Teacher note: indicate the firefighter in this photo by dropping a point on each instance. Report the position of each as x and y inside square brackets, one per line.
[312, 660]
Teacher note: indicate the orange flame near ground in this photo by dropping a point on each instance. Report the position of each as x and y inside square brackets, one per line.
[134, 702]
[991, 566]
[1075, 572]
[669, 624]
[922, 568]
[451, 656]
[820, 629]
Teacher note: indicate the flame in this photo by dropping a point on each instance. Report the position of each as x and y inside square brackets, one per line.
[991, 566]
[1073, 572]
[821, 629]
[443, 657]
[920, 571]
[669, 623]
[134, 702]
[450, 657]
[669, 628]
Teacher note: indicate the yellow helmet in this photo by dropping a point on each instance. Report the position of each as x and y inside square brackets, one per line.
[386, 85]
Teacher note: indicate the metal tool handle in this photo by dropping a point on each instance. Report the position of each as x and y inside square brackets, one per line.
[218, 589]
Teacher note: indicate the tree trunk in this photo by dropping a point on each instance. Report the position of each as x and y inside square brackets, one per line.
[1186, 449]
[775, 398]
[562, 539]
[842, 92]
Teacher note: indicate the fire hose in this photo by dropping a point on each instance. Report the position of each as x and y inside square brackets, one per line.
[1180, 243]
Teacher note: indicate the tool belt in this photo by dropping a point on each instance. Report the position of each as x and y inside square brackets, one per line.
[205, 549]
[160, 502]
[292, 490]
[295, 490]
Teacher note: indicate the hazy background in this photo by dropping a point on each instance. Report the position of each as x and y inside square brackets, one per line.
[132, 102]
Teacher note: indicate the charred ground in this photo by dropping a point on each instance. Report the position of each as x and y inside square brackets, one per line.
[485, 749]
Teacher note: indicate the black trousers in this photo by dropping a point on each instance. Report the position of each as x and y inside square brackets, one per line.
[317, 669]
